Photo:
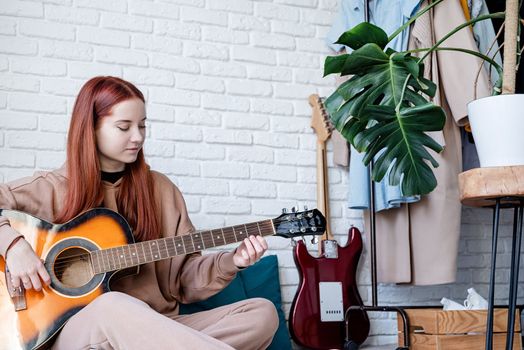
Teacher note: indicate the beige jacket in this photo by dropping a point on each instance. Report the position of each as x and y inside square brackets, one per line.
[418, 243]
[160, 284]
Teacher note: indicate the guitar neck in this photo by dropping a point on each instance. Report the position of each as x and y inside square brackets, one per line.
[322, 188]
[122, 257]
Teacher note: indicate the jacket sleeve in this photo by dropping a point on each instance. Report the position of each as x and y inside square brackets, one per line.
[195, 277]
[7, 233]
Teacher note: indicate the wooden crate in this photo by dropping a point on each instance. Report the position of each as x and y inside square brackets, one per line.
[436, 329]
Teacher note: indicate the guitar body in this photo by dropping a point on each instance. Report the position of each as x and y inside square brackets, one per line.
[73, 286]
[305, 323]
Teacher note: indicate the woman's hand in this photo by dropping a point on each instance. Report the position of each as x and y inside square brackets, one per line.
[25, 266]
[250, 251]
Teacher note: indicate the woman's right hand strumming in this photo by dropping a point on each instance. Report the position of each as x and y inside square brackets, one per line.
[25, 266]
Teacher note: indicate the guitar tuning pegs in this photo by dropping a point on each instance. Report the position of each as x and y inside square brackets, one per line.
[284, 210]
[314, 240]
[305, 207]
[294, 209]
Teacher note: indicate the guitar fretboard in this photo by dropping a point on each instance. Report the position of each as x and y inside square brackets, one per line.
[122, 257]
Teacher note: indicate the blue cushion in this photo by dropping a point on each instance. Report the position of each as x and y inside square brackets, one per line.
[260, 280]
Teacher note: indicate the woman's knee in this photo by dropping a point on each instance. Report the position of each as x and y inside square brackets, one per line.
[267, 312]
[114, 301]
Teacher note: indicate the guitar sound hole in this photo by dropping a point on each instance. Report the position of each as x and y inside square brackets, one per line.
[72, 267]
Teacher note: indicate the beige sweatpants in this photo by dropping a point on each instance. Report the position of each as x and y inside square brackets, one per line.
[118, 321]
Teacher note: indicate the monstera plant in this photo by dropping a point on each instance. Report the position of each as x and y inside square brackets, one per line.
[384, 109]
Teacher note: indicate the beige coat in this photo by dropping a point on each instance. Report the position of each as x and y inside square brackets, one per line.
[418, 243]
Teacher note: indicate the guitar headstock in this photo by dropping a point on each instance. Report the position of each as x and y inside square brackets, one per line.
[302, 223]
[320, 121]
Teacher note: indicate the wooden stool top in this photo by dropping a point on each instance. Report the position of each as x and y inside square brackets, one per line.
[480, 187]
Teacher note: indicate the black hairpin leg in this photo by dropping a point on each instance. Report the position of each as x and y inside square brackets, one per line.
[491, 298]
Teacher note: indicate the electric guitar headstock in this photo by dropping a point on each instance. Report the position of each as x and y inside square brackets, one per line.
[320, 121]
[299, 223]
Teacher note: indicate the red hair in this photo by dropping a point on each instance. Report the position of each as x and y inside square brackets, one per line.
[135, 199]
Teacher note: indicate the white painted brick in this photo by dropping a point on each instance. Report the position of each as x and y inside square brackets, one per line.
[317, 17]
[163, 131]
[174, 97]
[158, 9]
[313, 77]
[54, 123]
[31, 140]
[299, 60]
[190, 31]
[17, 158]
[46, 29]
[39, 104]
[273, 172]
[103, 36]
[121, 56]
[254, 189]
[156, 43]
[273, 41]
[299, 3]
[11, 120]
[7, 26]
[255, 55]
[22, 9]
[227, 170]
[50, 160]
[270, 73]
[245, 121]
[270, 207]
[177, 64]
[293, 157]
[18, 46]
[274, 107]
[275, 140]
[283, 124]
[251, 154]
[88, 70]
[153, 148]
[194, 3]
[12, 82]
[3, 100]
[293, 91]
[226, 206]
[249, 88]
[4, 63]
[175, 166]
[206, 51]
[1, 145]
[227, 137]
[207, 187]
[199, 83]
[71, 15]
[202, 152]
[224, 35]
[154, 77]
[160, 113]
[127, 23]
[69, 51]
[240, 6]
[224, 102]
[200, 117]
[201, 16]
[112, 6]
[313, 45]
[38, 66]
[224, 69]
[193, 204]
[303, 109]
[299, 192]
[279, 12]
[248, 23]
[61, 87]
[294, 29]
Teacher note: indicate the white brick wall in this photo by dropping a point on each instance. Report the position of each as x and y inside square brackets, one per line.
[227, 85]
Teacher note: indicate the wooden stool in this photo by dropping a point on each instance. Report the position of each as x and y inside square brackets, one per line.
[498, 187]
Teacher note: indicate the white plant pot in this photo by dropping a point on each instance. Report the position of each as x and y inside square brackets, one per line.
[497, 124]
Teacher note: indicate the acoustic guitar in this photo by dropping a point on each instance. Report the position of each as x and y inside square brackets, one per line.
[98, 246]
[327, 286]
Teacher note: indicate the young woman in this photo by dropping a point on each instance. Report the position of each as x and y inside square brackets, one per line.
[105, 167]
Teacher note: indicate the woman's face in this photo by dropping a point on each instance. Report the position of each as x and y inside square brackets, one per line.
[120, 135]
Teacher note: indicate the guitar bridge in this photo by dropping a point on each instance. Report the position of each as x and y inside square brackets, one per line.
[17, 294]
[331, 302]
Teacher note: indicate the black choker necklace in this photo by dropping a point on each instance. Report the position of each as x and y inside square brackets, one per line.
[112, 177]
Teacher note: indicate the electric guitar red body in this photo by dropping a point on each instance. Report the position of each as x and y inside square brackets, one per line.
[305, 323]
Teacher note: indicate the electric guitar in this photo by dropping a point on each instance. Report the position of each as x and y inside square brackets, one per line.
[327, 284]
[99, 244]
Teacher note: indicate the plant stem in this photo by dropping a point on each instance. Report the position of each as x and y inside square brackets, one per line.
[413, 19]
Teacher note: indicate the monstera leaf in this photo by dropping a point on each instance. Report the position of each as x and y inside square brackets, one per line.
[383, 109]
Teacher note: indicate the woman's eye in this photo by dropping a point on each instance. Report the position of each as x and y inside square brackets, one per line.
[142, 126]
[123, 129]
